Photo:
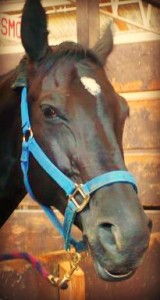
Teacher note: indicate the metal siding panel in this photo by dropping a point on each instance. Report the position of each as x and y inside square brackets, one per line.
[142, 128]
[146, 168]
[135, 67]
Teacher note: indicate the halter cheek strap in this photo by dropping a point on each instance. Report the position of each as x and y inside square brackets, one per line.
[71, 189]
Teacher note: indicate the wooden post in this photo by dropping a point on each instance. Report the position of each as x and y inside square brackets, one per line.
[88, 22]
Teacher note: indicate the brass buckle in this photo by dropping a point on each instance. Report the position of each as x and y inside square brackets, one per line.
[85, 197]
[27, 135]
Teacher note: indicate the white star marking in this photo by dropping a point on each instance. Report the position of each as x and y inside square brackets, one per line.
[91, 85]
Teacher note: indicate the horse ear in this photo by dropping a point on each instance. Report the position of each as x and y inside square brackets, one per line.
[34, 34]
[105, 45]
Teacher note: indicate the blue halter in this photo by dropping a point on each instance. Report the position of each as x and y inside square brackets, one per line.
[71, 189]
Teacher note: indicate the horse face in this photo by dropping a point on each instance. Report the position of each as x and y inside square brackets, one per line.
[78, 119]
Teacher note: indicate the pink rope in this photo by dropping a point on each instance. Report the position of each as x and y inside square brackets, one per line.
[30, 258]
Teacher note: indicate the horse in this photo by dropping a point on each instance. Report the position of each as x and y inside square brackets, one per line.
[74, 119]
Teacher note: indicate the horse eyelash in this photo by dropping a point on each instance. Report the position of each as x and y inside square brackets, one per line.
[58, 114]
[45, 106]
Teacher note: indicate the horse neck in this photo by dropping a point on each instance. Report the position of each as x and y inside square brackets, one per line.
[9, 115]
[12, 189]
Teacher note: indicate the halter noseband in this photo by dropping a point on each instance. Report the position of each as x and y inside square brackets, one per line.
[29, 145]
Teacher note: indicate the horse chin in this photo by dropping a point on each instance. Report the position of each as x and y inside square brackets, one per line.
[104, 274]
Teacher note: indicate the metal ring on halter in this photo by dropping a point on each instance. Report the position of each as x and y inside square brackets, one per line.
[28, 134]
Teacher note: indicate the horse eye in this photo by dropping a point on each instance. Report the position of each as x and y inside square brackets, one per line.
[48, 111]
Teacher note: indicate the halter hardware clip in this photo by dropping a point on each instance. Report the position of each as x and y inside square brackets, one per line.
[79, 192]
[75, 259]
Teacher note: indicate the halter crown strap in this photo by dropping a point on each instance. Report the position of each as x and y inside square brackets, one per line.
[71, 189]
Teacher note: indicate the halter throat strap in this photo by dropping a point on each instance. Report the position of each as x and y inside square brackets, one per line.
[71, 189]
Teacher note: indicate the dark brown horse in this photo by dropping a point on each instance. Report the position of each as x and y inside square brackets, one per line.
[77, 119]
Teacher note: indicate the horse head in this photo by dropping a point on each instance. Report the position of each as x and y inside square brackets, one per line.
[77, 119]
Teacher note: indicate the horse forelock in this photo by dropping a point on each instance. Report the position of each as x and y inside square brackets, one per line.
[67, 51]
[77, 51]
[64, 62]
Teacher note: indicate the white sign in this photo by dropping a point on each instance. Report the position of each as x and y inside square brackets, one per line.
[10, 27]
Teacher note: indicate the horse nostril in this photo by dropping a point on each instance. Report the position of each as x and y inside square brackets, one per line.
[106, 234]
[110, 237]
[150, 224]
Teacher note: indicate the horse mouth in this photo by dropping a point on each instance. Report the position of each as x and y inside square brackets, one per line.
[112, 276]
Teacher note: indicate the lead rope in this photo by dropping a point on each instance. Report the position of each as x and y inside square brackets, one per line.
[75, 259]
